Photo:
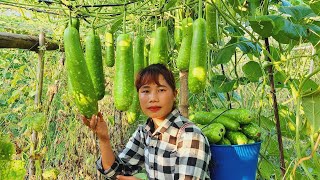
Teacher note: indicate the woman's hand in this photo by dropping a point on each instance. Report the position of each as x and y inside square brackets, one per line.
[97, 125]
[120, 177]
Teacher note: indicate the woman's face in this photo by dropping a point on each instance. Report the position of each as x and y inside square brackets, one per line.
[156, 101]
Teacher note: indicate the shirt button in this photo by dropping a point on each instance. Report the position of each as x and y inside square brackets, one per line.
[151, 166]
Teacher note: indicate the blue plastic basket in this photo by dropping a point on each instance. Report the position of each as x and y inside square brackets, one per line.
[234, 162]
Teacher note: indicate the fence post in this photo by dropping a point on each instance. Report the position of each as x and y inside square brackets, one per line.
[183, 104]
[37, 100]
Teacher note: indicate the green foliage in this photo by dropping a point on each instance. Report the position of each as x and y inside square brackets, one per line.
[249, 47]
[36, 121]
[252, 71]
[297, 13]
[292, 28]
[311, 105]
[262, 25]
[7, 149]
[224, 55]
[10, 169]
[315, 6]
[13, 170]
[50, 174]
[221, 83]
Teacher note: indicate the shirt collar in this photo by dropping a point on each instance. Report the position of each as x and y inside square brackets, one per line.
[164, 126]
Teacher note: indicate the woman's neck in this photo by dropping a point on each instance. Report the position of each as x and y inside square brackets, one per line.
[157, 122]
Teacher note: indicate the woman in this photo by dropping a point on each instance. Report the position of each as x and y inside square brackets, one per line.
[168, 146]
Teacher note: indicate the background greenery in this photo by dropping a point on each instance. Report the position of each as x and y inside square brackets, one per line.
[237, 75]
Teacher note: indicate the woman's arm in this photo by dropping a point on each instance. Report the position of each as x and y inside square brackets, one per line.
[129, 161]
[100, 128]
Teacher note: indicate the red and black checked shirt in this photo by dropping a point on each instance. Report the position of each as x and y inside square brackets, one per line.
[175, 150]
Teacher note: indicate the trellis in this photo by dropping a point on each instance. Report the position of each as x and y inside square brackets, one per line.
[39, 45]
[114, 16]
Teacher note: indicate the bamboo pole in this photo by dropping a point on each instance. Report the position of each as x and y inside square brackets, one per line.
[276, 112]
[183, 105]
[21, 41]
[37, 100]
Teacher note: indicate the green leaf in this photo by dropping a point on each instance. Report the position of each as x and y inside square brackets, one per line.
[116, 24]
[287, 121]
[239, 6]
[234, 31]
[315, 6]
[314, 35]
[224, 55]
[309, 86]
[247, 47]
[35, 121]
[289, 29]
[14, 170]
[222, 84]
[280, 79]
[51, 174]
[262, 25]
[282, 38]
[3, 102]
[297, 13]
[267, 170]
[315, 22]
[243, 80]
[252, 71]
[275, 53]
[266, 123]
[7, 149]
[311, 107]
[313, 166]
[169, 4]
[111, 119]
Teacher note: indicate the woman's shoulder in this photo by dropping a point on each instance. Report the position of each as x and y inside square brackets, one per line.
[185, 125]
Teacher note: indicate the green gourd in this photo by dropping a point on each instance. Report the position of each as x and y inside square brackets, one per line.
[124, 77]
[177, 30]
[184, 52]
[109, 60]
[214, 132]
[237, 137]
[151, 47]
[94, 62]
[212, 23]
[198, 57]
[202, 117]
[82, 87]
[252, 131]
[159, 53]
[243, 116]
[75, 23]
[224, 141]
[138, 60]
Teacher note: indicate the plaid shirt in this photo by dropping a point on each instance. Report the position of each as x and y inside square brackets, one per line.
[175, 150]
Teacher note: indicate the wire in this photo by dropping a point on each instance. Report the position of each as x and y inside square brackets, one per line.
[214, 119]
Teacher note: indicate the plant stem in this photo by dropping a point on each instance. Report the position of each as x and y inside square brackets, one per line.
[261, 99]
[228, 95]
[200, 9]
[307, 78]
[276, 112]
[233, 22]
[124, 19]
